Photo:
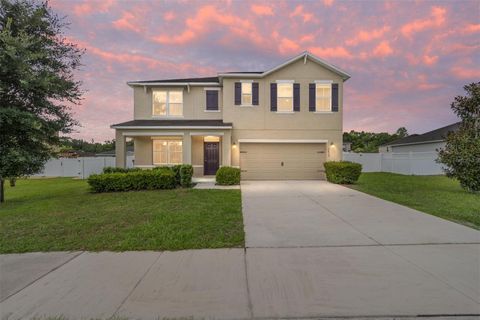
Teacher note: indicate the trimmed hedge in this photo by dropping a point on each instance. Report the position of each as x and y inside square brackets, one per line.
[228, 176]
[186, 173]
[119, 170]
[133, 180]
[342, 172]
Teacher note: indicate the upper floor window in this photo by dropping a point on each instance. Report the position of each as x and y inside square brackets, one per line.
[212, 100]
[323, 97]
[246, 93]
[284, 97]
[167, 103]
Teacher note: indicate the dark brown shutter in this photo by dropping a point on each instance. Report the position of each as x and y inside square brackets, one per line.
[238, 93]
[273, 97]
[212, 100]
[335, 97]
[296, 97]
[312, 97]
[255, 93]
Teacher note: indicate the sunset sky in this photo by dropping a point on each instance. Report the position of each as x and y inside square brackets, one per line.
[407, 59]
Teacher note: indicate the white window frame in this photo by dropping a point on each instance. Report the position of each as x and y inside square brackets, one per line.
[168, 163]
[167, 107]
[243, 104]
[281, 82]
[323, 83]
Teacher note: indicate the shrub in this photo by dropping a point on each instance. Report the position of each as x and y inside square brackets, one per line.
[343, 172]
[176, 172]
[119, 170]
[186, 173]
[132, 180]
[228, 176]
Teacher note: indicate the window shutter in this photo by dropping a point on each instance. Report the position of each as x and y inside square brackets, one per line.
[212, 100]
[255, 93]
[312, 97]
[273, 97]
[296, 97]
[335, 97]
[238, 93]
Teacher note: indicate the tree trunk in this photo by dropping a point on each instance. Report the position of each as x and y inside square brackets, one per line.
[12, 182]
[2, 193]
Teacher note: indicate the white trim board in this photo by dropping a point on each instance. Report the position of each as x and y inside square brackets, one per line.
[206, 133]
[282, 141]
[154, 133]
[170, 127]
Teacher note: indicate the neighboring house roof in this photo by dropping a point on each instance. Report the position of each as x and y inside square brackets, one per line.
[436, 135]
[111, 153]
[254, 74]
[174, 124]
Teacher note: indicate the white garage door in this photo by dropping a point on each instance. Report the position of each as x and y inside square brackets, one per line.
[282, 161]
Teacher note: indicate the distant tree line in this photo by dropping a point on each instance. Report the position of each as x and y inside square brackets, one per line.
[370, 141]
[88, 146]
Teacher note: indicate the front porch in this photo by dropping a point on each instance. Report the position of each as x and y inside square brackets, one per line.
[205, 150]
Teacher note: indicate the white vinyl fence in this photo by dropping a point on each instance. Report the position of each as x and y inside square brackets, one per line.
[411, 163]
[78, 167]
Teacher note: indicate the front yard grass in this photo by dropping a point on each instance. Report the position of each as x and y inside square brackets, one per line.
[436, 195]
[62, 214]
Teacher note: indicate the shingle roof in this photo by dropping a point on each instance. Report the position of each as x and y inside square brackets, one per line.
[435, 135]
[173, 123]
[197, 80]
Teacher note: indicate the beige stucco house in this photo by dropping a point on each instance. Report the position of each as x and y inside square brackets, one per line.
[279, 124]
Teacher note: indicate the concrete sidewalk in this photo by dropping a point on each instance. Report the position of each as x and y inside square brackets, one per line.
[361, 281]
[313, 250]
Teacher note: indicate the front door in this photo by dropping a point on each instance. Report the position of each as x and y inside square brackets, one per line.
[211, 158]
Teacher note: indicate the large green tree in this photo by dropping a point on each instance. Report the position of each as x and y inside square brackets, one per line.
[370, 141]
[37, 86]
[461, 154]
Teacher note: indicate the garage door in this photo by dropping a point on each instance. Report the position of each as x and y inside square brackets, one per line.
[277, 161]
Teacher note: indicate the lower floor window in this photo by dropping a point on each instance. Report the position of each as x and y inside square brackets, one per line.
[167, 151]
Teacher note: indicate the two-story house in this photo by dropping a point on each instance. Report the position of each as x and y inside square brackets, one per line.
[278, 124]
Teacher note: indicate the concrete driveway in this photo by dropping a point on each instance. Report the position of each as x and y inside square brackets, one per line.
[313, 250]
[286, 214]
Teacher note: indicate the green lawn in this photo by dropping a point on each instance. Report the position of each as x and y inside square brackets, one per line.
[62, 214]
[436, 195]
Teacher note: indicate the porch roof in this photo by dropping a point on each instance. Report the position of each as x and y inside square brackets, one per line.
[173, 124]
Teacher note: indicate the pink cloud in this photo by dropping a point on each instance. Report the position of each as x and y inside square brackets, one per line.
[472, 28]
[464, 73]
[334, 52]
[383, 50]
[288, 46]
[127, 22]
[430, 60]
[138, 62]
[366, 36]
[299, 11]
[262, 10]
[90, 6]
[206, 18]
[436, 19]
[328, 3]
[307, 38]
[169, 16]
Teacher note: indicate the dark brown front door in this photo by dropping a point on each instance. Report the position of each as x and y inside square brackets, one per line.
[211, 158]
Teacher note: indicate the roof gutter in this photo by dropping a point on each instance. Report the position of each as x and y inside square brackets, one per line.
[172, 84]
[170, 127]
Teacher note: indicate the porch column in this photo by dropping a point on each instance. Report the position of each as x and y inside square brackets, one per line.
[120, 149]
[187, 148]
[227, 149]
